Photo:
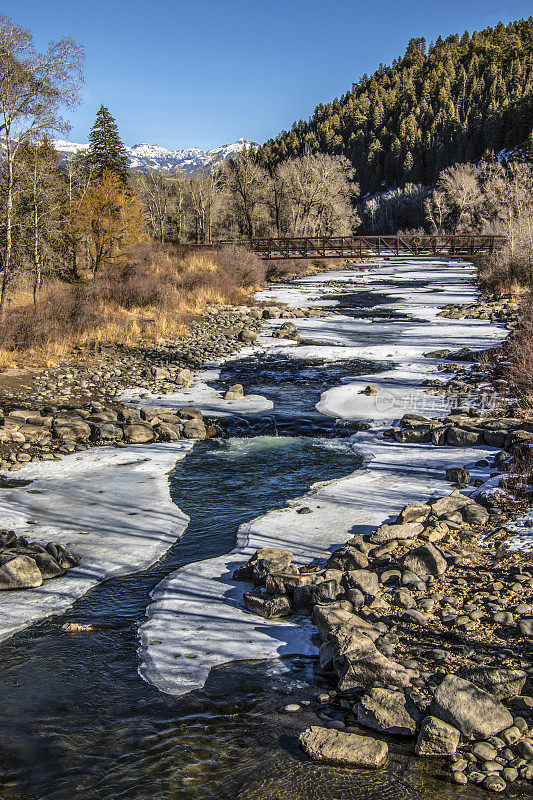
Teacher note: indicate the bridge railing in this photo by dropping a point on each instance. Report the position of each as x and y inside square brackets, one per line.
[381, 245]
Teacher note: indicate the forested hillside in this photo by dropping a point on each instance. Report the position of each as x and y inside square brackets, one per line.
[453, 101]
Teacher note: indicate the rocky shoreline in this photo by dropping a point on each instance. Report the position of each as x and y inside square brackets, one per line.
[408, 647]
[77, 406]
[426, 626]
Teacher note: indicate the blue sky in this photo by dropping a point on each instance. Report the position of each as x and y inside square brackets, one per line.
[206, 72]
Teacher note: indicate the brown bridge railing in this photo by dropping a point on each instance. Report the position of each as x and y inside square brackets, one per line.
[360, 246]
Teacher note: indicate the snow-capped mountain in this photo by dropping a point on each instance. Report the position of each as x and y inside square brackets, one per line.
[151, 156]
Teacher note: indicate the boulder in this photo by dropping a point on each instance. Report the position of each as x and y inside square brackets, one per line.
[287, 331]
[458, 475]
[168, 433]
[459, 437]
[247, 336]
[72, 428]
[425, 561]
[362, 579]
[138, 433]
[272, 312]
[450, 504]
[388, 711]
[160, 373]
[499, 681]
[386, 533]
[474, 712]
[184, 377]
[263, 562]
[20, 572]
[343, 749]
[413, 512]
[268, 607]
[475, 514]
[288, 581]
[347, 558]
[47, 564]
[419, 435]
[194, 429]
[64, 557]
[234, 392]
[364, 665]
[106, 432]
[437, 738]
[518, 439]
[412, 420]
[404, 599]
[332, 618]
[189, 412]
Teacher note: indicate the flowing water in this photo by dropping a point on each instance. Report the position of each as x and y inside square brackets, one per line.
[78, 722]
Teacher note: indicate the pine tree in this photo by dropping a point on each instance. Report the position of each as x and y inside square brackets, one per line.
[106, 152]
[443, 106]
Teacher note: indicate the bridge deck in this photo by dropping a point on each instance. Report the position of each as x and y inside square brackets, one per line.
[361, 246]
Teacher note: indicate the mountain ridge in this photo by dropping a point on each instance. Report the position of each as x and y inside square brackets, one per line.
[145, 156]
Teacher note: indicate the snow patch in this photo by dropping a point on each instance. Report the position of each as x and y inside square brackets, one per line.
[111, 506]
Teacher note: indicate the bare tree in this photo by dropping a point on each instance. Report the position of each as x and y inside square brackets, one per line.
[155, 188]
[33, 86]
[317, 195]
[79, 174]
[41, 204]
[246, 181]
[204, 191]
[458, 199]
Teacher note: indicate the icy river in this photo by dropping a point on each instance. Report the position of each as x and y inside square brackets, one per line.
[178, 693]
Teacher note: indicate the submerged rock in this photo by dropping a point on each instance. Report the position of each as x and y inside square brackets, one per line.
[343, 749]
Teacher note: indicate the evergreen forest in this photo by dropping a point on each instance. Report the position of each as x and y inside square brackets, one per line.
[457, 100]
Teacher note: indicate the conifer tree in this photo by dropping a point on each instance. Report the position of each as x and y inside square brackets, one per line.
[106, 152]
[437, 106]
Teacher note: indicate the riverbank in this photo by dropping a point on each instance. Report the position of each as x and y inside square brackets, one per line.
[196, 622]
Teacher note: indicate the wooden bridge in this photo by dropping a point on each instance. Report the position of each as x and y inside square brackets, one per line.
[364, 246]
[360, 246]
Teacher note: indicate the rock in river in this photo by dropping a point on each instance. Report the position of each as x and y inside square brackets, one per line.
[388, 711]
[344, 749]
[437, 738]
[476, 713]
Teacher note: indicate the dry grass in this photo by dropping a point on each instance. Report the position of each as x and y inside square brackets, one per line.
[505, 272]
[520, 355]
[519, 478]
[149, 298]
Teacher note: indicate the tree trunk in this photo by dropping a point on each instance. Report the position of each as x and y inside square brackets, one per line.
[36, 258]
[9, 224]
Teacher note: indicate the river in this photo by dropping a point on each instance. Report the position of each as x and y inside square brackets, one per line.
[78, 720]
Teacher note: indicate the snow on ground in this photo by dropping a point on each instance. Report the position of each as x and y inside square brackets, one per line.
[196, 620]
[110, 505]
[522, 530]
[201, 396]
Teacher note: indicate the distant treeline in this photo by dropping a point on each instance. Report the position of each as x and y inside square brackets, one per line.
[457, 100]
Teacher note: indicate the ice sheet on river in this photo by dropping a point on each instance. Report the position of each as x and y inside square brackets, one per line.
[110, 505]
[196, 620]
[208, 400]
